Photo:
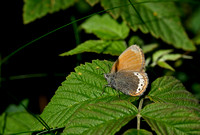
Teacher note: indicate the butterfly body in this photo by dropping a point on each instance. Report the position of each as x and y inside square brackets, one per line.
[127, 74]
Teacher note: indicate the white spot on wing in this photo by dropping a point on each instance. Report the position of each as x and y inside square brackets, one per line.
[141, 81]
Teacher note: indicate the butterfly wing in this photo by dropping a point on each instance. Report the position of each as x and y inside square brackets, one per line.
[131, 59]
[142, 84]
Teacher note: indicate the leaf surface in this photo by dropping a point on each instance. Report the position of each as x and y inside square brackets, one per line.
[80, 106]
[161, 20]
[17, 122]
[171, 119]
[104, 27]
[164, 64]
[137, 132]
[34, 9]
[167, 89]
[98, 46]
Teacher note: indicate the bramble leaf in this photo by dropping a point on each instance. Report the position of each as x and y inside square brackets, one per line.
[137, 132]
[98, 46]
[167, 89]
[34, 9]
[105, 27]
[80, 107]
[171, 119]
[161, 20]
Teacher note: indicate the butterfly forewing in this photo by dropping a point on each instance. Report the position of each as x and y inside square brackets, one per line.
[131, 59]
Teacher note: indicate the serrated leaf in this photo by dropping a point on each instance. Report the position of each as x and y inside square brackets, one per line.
[98, 46]
[108, 4]
[92, 2]
[101, 118]
[164, 64]
[167, 89]
[137, 132]
[171, 119]
[160, 18]
[80, 96]
[34, 9]
[105, 27]
[18, 122]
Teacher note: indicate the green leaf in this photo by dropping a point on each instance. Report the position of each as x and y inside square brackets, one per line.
[171, 119]
[167, 89]
[18, 122]
[34, 9]
[149, 47]
[98, 46]
[158, 54]
[92, 2]
[164, 64]
[137, 132]
[105, 27]
[101, 118]
[160, 18]
[170, 57]
[115, 4]
[17, 108]
[80, 106]
[135, 40]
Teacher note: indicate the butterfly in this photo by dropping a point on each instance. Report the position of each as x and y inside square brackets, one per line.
[127, 74]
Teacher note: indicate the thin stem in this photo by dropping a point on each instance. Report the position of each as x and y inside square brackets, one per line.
[138, 115]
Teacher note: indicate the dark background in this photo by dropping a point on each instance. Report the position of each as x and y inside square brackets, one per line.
[42, 57]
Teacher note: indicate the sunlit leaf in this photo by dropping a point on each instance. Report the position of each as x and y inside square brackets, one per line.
[170, 57]
[80, 106]
[158, 55]
[149, 47]
[98, 46]
[164, 64]
[105, 27]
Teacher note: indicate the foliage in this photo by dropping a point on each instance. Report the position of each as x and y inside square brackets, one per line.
[82, 105]
[81, 108]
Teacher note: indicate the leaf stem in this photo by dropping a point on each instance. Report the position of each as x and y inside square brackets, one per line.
[138, 115]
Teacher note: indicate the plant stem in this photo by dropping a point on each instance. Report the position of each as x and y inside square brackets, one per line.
[138, 115]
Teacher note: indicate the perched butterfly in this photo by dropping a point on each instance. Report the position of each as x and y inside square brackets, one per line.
[127, 74]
